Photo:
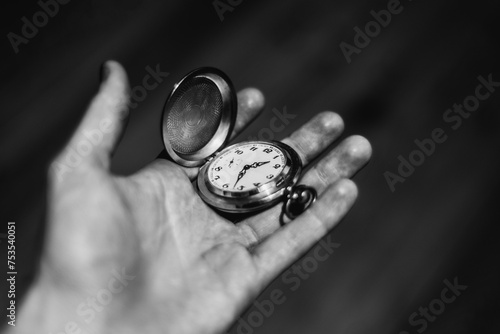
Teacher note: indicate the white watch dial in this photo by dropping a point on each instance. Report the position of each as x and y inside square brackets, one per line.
[245, 167]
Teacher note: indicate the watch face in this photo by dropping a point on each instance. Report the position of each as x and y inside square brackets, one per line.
[245, 167]
[249, 176]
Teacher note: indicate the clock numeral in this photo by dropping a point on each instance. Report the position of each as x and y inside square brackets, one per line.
[239, 152]
[216, 177]
[277, 166]
[270, 176]
[268, 150]
[257, 184]
[276, 157]
[218, 168]
[225, 185]
[253, 149]
[240, 187]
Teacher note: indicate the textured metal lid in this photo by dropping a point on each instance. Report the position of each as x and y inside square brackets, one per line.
[198, 116]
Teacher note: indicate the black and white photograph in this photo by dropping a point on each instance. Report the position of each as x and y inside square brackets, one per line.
[250, 167]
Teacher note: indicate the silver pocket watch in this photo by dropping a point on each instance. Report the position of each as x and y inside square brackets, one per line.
[198, 118]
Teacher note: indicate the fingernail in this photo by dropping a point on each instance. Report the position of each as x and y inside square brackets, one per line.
[104, 72]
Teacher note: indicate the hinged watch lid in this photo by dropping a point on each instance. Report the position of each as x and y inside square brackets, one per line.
[199, 116]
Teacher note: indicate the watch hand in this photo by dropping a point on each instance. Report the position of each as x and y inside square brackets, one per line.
[241, 174]
[244, 170]
[258, 164]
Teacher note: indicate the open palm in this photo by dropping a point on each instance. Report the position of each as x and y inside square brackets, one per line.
[145, 254]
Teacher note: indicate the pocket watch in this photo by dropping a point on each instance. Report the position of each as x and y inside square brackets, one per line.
[197, 121]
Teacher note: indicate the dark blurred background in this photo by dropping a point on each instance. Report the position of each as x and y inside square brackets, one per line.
[397, 247]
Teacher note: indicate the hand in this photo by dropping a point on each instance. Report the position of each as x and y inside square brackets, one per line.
[258, 164]
[144, 254]
[247, 167]
[241, 174]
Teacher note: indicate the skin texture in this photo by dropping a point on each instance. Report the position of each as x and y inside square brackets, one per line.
[188, 269]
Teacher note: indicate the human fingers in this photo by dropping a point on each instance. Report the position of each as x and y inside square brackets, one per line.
[343, 161]
[309, 141]
[287, 244]
[251, 102]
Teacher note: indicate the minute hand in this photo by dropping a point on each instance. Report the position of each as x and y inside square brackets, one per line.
[258, 164]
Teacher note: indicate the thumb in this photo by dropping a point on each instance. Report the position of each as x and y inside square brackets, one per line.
[102, 125]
